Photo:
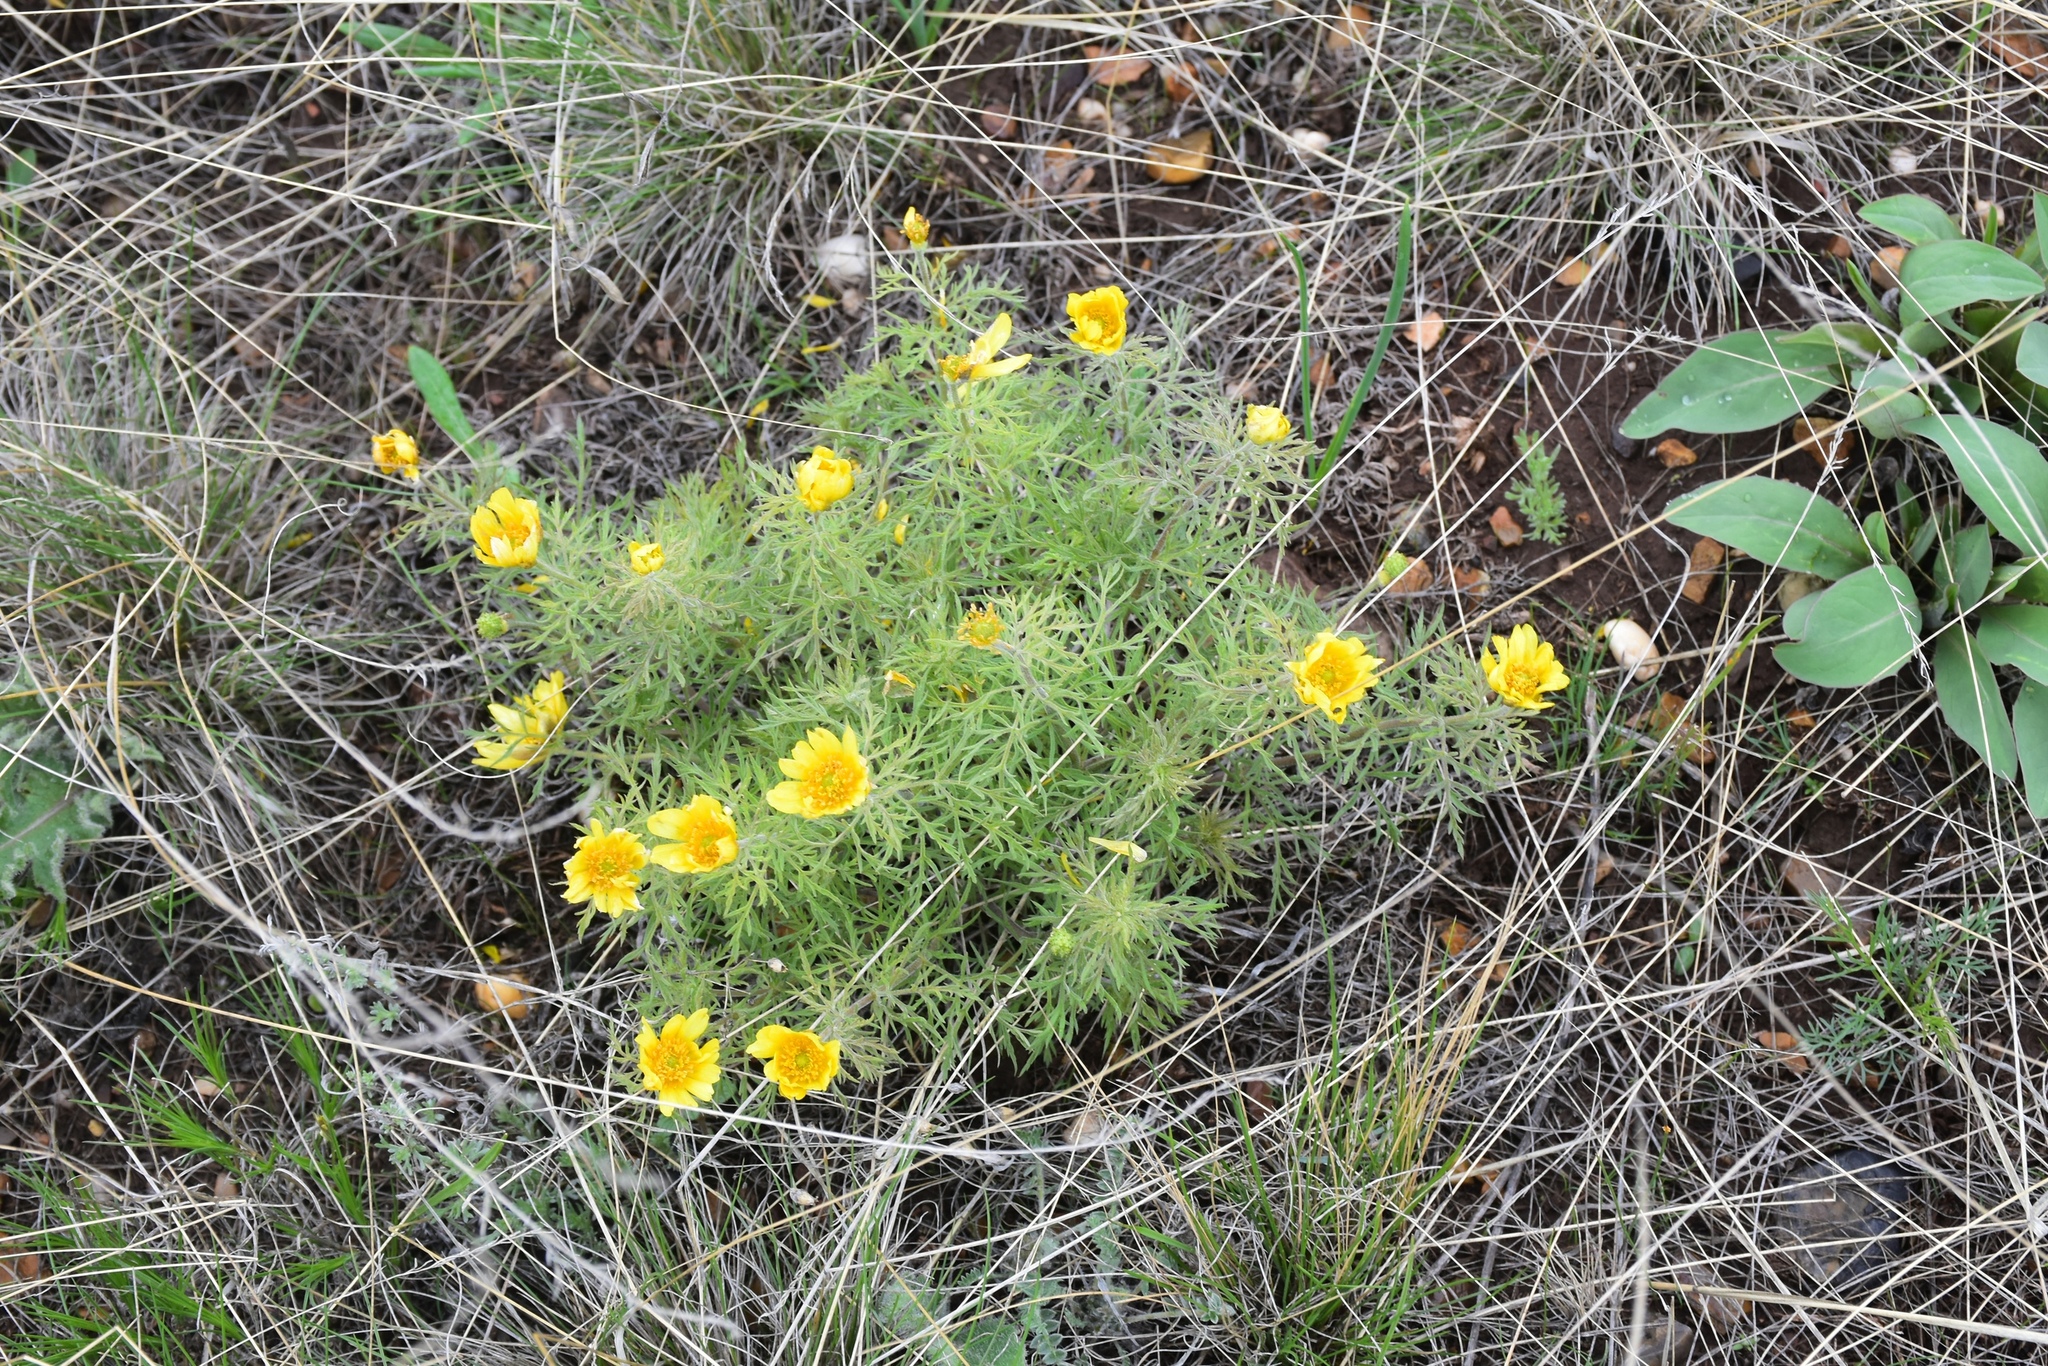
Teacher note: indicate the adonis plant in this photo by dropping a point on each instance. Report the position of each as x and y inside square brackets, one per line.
[958, 711]
[1950, 363]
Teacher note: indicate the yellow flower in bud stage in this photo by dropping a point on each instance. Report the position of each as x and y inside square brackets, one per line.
[1098, 318]
[1129, 849]
[980, 361]
[824, 479]
[981, 628]
[395, 452]
[507, 530]
[605, 870]
[902, 527]
[525, 728]
[796, 1060]
[646, 556]
[1265, 425]
[827, 776]
[673, 1065]
[916, 227]
[894, 679]
[1334, 672]
[705, 839]
[1522, 668]
[881, 509]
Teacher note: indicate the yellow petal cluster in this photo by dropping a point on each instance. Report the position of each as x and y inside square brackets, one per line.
[704, 838]
[645, 556]
[1129, 849]
[826, 776]
[980, 361]
[796, 1060]
[824, 478]
[507, 530]
[916, 227]
[1264, 425]
[525, 728]
[1098, 318]
[981, 628]
[605, 870]
[395, 452]
[1522, 668]
[674, 1065]
[1334, 672]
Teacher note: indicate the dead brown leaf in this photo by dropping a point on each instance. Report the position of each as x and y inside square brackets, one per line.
[1427, 330]
[1414, 579]
[1474, 581]
[1114, 68]
[2023, 52]
[1884, 267]
[1353, 29]
[1456, 937]
[1506, 529]
[1181, 160]
[1828, 443]
[1707, 555]
[1675, 454]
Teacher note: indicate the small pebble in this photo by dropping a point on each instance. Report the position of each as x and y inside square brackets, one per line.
[1903, 161]
[1632, 648]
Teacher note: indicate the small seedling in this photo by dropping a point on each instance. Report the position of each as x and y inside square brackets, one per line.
[1538, 498]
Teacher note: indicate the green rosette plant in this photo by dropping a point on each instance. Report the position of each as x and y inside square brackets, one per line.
[1953, 359]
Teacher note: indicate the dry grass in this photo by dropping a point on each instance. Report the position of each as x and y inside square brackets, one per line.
[1357, 1146]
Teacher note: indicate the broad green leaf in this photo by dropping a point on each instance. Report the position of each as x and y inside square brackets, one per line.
[2030, 250]
[2017, 636]
[1796, 614]
[21, 167]
[2000, 470]
[1946, 275]
[1887, 398]
[1967, 690]
[2030, 738]
[1742, 382]
[1912, 218]
[2026, 580]
[1924, 338]
[439, 392]
[2032, 358]
[1961, 568]
[1854, 343]
[1781, 524]
[1878, 536]
[1858, 631]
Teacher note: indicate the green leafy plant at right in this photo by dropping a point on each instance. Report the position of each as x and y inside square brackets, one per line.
[1954, 361]
[1914, 978]
[1538, 498]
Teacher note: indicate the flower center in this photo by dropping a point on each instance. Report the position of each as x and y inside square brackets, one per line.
[668, 1062]
[830, 780]
[1329, 674]
[800, 1063]
[1523, 680]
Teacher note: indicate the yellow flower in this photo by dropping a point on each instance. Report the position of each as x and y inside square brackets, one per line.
[916, 227]
[980, 361]
[526, 728]
[605, 870]
[902, 527]
[1333, 673]
[507, 530]
[899, 680]
[1265, 425]
[981, 628]
[1526, 668]
[881, 509]
[673, 1065]
[646, 556]
[705, 837]
[1098, 318]
[1129, 849]
[824, 479]
[396, 453]
[826, 776]
[797, 1061]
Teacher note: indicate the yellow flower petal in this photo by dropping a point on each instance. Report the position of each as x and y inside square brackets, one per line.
[824, 479]
[827, 776]
[673, 1065]
[1265, 426]
[796, 1060]
[605, 870]
[506, 530]
[1522, 667]
[526, 728]
[1129, 849]
[1099, 320]
[704, 838]
[1334, 672]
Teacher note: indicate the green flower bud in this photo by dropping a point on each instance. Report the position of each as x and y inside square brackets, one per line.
[1060, 943]
[491, 625]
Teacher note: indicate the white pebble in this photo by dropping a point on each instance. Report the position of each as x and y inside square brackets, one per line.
[844, 259]
[1904, 161]
[1632, 648]
[1309, 139]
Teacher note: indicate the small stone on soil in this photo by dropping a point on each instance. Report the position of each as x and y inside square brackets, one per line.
[1838, 1220]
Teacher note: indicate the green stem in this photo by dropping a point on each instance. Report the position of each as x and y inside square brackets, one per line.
[1308, 407]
